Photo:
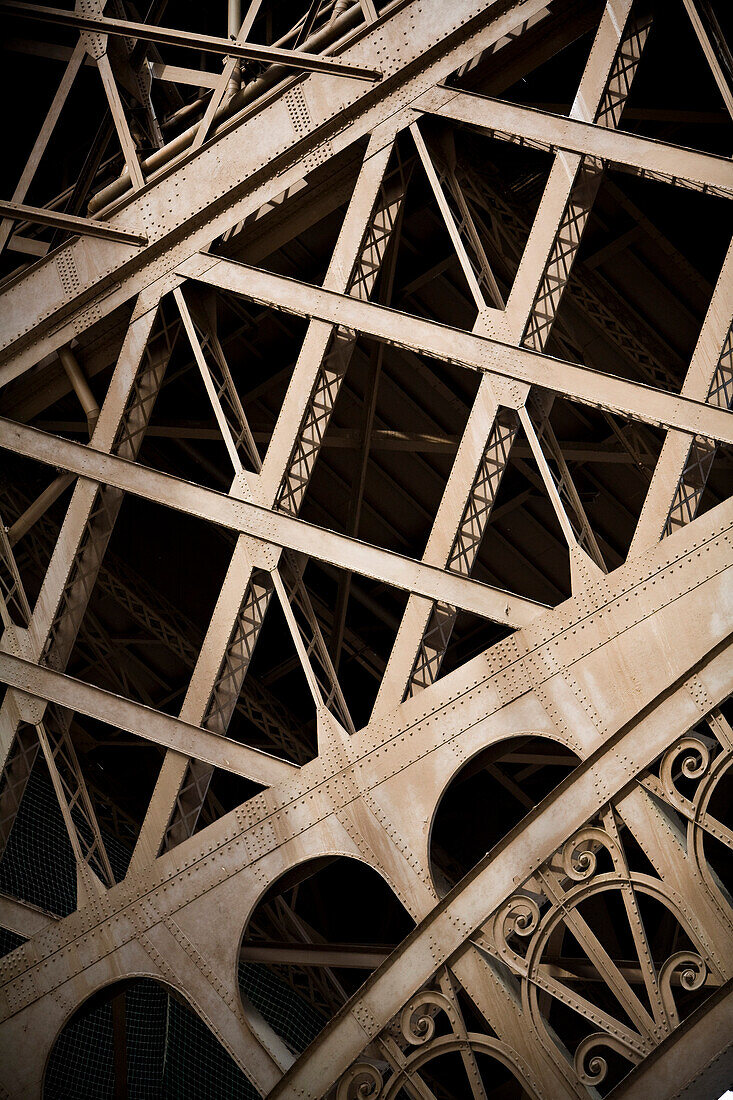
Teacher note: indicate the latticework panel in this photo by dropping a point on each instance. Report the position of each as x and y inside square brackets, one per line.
[416, 317]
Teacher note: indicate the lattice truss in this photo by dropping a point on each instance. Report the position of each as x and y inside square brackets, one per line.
[597, 932]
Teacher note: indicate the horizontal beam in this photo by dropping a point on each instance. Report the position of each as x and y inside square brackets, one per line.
[272, 527]
[445, 931]
[176, 74]
[369, 957]
[234, 175]
[338, 438]
[579, 970]
[381, 439]
[23, 918]
[27, 246]
[466, 349]
[151, 725]
[549, 131]
[351, 956]
[171, 36]
[646, 114]
[85, 227]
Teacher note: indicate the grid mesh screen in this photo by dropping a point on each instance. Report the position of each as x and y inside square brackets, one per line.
[292, 1017]
[38, 864]
[170, 1051]
[171, 1054]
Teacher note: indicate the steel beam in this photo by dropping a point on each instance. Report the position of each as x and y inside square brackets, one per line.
[152, 725]
[682, 470]
[578, 383]
[698, 1057]
[74, 63]
[23, 918]
[628, 675]
[173, 925]
[269, 526]
[544, 829]
[85, 227]
[306, 411]
[713, 48]
[540, 129]
[72, 570]
[425, 633]
[232, 179]
[171, 36]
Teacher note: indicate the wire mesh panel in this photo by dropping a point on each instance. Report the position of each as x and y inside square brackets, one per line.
[147, 1011]
[9, 941]
[145, 1044]
[38, 863]
[292, 1017]
[83, 1053]
[196, 1064]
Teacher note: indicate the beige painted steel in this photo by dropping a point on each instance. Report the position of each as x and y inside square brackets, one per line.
[631, 399]
[603, 674]
[56, 687]
[502, 701]
[37, 302]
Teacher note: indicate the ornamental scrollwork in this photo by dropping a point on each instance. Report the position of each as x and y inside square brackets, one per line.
[517, 920]
[590, 1065]
[417, 1019]
[690, 970]
[579, 998]
[689, 779]
[597, 948]
[362, 1081]
[689, 758]
[579, 856]
[429, 1027]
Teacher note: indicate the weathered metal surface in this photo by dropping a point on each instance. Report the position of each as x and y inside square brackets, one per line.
[629, 674]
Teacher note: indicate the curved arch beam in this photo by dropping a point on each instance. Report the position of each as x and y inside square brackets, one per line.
[209, 884]
[601, 777]
[132, 961]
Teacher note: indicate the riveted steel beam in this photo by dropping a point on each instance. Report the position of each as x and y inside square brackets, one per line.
[540, 129]
[171, 36]
[151, 725]
[578, 383]
[269, 526]
[234, 178]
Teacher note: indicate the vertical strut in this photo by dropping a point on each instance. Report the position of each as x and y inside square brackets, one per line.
[286, 470]
[240, 443]
[77, 558]
[426, 628]
[305, 629]
[684, 463]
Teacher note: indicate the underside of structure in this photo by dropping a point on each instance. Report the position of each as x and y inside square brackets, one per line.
[366, 374]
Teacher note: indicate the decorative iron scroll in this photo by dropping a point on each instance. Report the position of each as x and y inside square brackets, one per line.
[604, 955]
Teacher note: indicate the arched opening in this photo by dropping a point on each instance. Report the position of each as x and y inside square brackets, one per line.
[313, 939]
[446, 1053]
[139, 1038]
[457, 1076]
[489, 795]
